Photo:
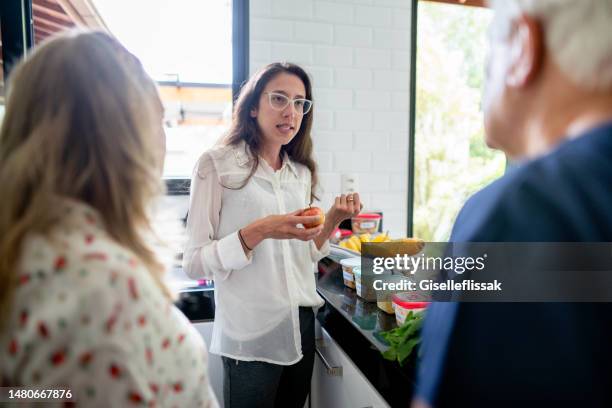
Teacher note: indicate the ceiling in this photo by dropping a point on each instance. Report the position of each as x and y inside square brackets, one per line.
[52, 16]
[475, 3]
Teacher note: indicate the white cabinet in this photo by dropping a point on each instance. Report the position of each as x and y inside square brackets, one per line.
[346, 386]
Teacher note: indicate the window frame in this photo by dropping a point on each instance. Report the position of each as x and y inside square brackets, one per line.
[18, 36]
[17, 32]
[414, 7]
[414, 11]
[180, 186]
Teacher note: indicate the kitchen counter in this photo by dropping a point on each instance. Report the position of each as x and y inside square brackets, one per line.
[356, 325]
[365, 317]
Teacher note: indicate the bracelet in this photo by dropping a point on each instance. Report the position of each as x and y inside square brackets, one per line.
[242, 240]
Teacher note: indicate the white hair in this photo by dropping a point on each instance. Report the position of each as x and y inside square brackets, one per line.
[578, 35]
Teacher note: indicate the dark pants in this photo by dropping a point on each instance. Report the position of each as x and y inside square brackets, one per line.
[255, 384]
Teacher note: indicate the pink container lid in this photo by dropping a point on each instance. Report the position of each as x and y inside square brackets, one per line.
[345, 233]
[403, 300]
[369, 216]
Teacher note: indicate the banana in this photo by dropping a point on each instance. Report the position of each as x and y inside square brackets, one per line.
[381, 237]
[365, 238]
[401, 246]
[408, 246]
[350, 245]
[356, 241]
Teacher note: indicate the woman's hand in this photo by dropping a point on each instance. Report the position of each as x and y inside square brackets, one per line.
[284, 226]
[345, 206]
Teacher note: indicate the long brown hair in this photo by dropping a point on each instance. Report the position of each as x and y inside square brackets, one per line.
[83, 121]
[245, 128]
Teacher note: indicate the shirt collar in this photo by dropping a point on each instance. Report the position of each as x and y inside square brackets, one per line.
[289, 163]
[243, 155]
[79, 212]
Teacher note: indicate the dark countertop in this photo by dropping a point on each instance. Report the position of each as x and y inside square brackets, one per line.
[366, 317]
[355, 325]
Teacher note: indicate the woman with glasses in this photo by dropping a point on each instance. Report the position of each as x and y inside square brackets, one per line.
[245, 232]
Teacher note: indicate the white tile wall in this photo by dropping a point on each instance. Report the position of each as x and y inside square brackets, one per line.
[357, 52]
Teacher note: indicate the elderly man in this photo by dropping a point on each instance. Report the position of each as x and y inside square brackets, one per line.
[548, 106]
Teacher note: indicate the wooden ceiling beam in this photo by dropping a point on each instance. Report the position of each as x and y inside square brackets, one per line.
[45, 30]
[49, 25]
[59, 18]
[60, 24]
[473, 3]
[71, 12]
[52, 5]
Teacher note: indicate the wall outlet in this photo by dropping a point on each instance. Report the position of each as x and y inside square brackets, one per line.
[349, 183]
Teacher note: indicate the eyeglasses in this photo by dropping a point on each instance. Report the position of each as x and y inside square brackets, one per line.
[279, 102]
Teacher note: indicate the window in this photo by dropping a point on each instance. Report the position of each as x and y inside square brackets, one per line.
[450, 157]
[1, 85]
[186, 46]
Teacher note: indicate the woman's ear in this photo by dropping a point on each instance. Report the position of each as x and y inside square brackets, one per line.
[254, 112]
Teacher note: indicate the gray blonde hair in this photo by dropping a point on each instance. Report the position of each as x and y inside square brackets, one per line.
[577, 35]
[82, 118]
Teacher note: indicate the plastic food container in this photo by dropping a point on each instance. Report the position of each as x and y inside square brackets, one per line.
[366, 223]
[385, 306]
[357, 277]
[384, 298]
[339, 234]
[363, 286]
[348, 264]
[403, 303]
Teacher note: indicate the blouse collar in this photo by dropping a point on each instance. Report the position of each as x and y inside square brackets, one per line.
[243, 157]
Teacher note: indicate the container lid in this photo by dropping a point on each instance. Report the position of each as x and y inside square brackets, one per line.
[369, 216]
[406, 300]
[345, 232]
[351, 262]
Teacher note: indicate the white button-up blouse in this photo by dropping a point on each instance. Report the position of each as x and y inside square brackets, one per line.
[257, 296]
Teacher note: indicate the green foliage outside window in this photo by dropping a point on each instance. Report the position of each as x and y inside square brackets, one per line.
[451, 159]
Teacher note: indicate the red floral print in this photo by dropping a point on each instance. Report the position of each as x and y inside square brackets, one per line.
[114, 371]
[58, 358]
[86, 358]
[13, 347]
[95, 256]
[133, 289]
[60, 263]
[177, 387]
[135, 397]
[43, 330]
[23, 318]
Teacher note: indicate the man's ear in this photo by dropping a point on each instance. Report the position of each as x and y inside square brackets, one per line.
[526, 52]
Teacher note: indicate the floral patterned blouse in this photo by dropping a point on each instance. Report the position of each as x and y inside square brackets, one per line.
[87, 316]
